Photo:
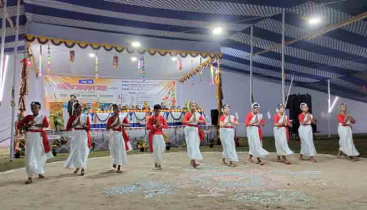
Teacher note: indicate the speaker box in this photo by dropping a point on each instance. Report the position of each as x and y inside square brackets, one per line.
[214, 115]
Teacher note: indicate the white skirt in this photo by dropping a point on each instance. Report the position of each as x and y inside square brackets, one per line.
[117, 149]
[254, 142]
[226, 135]
[346, 141]
[281, 141]
[159, 146]
[35, 156]
[193, 143]
[79, 150]
[306, 135]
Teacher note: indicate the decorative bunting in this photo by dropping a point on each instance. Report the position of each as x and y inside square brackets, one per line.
[197, 70]
[49, 60]
[179, 64]
[211, 74]
[97, 46]
[115, 61]
[141, 67]
[40, 62]
[72, 56]
[96, 66]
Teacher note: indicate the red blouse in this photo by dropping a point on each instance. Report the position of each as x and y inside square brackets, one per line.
[152, 121]
[28, 119]
[277, 118]
[249, 117]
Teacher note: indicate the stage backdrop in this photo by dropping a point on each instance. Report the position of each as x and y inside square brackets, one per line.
[120, 91]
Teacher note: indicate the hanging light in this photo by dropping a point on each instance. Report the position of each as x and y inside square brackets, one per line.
[133, 59]
[217, 30]
[136, 44]
[174, 58]
[92, 55]
[314, 20]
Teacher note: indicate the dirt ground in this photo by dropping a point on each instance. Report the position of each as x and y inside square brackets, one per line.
[329, 184]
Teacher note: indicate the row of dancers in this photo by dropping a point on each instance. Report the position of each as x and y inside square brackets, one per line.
[38, 149]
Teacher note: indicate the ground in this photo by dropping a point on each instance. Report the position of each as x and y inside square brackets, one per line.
[329, 184]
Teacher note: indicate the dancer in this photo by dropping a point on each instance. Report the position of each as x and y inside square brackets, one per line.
[345, 134]
[117, 140]
[305, 133]
[156, 141]
[226, 132]
[81, 141]
[281, 135]
[193, 134]
[254, 134]
[37, 147]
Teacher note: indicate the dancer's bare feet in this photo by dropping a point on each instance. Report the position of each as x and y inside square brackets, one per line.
[192, 163]
[231, 164]
[159, 167]
[352, 159]
[119, 170]
[76, 171]
[259, 162]
[224, 161]
[250, 159]
[286, 161]
[40, 176]
[339, 155]
[82, 172]
[29, 181]
[114, 166]
[313, 160]
[301, 158]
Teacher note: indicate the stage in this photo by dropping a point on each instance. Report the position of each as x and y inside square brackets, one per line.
[303, 185]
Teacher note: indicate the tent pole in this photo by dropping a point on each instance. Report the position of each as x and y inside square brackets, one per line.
[283, 49]
[329, 109]
[12, 128]
[3, 34]
[251, 59]
[289, 92]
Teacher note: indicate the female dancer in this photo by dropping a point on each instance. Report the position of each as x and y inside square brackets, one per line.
[117, 141]
[81, 141]
[305, 133]
[226, 132]
[345, 134]
[281, 135]
[156, 141]
[254, 134]
[193, 134]
[37, 147]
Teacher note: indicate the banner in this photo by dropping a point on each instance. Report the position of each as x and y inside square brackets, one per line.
[107, 91]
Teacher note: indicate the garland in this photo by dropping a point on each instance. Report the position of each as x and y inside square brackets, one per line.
[138, 118]
[177, 118]
[104, 119]
[108, 47]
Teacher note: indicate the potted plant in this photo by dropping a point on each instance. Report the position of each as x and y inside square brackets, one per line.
[141, 145]
[57, 120]
[168, 143]
[54, 152]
